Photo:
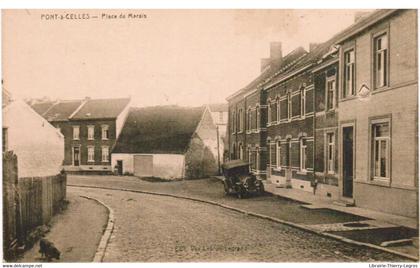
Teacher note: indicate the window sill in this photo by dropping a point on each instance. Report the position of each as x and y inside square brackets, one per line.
[76, 139]
[91, 161]
[276, 169]
[348, 98]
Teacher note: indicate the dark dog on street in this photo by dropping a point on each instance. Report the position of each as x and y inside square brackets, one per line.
[48, 250]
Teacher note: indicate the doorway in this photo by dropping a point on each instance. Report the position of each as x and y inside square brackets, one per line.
[120, 167]
[347, 157]
[76, 156]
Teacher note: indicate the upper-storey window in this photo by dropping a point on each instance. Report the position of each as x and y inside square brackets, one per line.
[76, 132]
[349, 74]
[249, 119]
[257, 117]
[302, 102]
[105, 132]
[241, 119]
[278, 112]
[91, 132]
[330, 93]
[289, 106]
[269, 119]
[233, 122]
[381, 60]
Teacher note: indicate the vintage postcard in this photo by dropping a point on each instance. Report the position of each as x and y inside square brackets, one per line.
[210, 135]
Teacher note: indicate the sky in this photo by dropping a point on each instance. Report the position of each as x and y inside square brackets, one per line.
[156, 57]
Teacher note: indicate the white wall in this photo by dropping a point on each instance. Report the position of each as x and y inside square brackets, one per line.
[38, 145]
[121, 119]
[167, 166]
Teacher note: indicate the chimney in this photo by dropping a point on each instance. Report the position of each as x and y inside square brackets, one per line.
[275, 55]
[360, 15]
[275, 51]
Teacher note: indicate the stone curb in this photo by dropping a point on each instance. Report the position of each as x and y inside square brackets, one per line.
[100, 251]
[292, 224]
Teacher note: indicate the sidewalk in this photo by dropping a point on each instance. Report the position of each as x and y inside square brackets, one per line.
[319, 202]
[76, 232]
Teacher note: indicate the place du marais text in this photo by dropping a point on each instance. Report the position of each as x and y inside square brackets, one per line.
[88, 16]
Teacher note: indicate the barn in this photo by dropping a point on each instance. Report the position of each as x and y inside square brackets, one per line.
[168, 142]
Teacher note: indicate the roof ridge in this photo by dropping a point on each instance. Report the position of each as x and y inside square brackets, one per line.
[78, 108]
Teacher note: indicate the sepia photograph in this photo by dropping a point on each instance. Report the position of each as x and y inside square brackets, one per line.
[210, 136]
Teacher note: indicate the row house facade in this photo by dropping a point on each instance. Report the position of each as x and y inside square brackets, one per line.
[90, 128]
[340, 120]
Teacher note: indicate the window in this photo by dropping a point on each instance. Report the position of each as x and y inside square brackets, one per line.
[257, 158]
[381, 60]
[233, 122]
[105, 154]
[302, 102]
[278, 110]
[349, 72]
[91, 154]
[249, 123]
[380, 149]
[234, 151]
[257, 115]
[105, 132]
[91, 132]
[241, 120]
[330, 93]
[330, 153]
[274, 112]
[253, 159]
[302, 143]
[273, 155]
[269, 112]
[278, 156]
[289, 106]
[76, 132]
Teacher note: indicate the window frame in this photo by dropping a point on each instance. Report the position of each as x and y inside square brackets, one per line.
[302, 102]
[289, 106]
[89, 137]
[92, 158]
[269, 119]
[102, 154]
[372, 151]
[345, 90]
[302, 154]
[386, 73]
[257, 117]
[278, 155]
[327, 153]
[329, 79]
[76, 137]
[104, 127]
[234, 122]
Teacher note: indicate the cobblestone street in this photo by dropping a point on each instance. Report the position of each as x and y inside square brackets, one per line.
[152, 228]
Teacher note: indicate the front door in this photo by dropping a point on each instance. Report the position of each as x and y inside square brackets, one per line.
[76, 156]
[120, 167]
[348, 161]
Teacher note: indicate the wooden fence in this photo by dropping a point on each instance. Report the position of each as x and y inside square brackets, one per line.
[27, 202]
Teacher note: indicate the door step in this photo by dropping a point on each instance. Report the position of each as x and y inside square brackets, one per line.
[344, 203]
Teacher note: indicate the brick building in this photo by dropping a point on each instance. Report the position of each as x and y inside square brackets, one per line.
[340, 120]
[90, 128]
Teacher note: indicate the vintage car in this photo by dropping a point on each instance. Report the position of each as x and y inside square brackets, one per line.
[239, 180]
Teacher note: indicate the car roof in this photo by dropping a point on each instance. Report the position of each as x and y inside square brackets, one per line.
[234, 164]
